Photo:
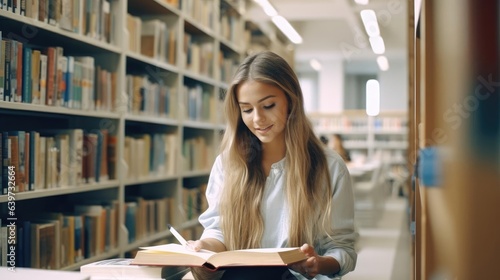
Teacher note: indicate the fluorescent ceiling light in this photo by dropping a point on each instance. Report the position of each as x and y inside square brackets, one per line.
[377, 44]
[369, 19]
[361, 2]
[372, 97]
[315, 64]
[267, 7]
[383, 63]
[287, 29]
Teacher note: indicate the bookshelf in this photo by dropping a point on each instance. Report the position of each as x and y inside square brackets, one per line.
[365, 136]
[127, 126]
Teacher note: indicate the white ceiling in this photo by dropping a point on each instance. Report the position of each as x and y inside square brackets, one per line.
[332, 29]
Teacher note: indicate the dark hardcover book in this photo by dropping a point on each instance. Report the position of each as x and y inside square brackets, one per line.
[5, 161]
[21, 170]
[26, 89]
[98, 156]
[32, 160]
[1, 163]
[79, 238]
[20, 246]
[7, 75]
[19, 72]
[27, 243]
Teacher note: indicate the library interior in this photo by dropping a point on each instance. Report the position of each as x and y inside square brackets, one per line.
[112, 116]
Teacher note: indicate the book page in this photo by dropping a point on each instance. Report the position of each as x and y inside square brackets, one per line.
[179, 249]
[257, 257]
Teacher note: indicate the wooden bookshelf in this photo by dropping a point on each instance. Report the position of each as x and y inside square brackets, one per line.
[455, 202]
[139, 101]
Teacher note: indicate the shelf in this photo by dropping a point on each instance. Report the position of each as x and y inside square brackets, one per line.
[130, 80]
[150, 179]
[151, 61]
[147, 240]
[62, 191]
[48, 110]
[51, 34]
[151, 119]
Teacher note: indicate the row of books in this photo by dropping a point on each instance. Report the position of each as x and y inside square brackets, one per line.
[146, 97]
[202, 11]
[196, 154]
[46, 76]
[54, 240]
[57, 158]
[194, 201]
[227, 66]
[230, 22]
[149, 155]
[361, 124]
[145, 217]
[152, 38]
[93, 18]
[199, 103]
[199, 55]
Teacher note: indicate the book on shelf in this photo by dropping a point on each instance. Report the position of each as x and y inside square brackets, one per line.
[178, 255]
[121, 268]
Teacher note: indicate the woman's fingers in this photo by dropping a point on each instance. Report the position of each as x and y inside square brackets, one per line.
[195, 245]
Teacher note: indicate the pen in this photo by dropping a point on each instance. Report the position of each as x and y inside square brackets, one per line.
[177, 235]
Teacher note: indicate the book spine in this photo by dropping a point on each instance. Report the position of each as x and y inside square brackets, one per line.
[51, 72]
[5, 160]
[43, 79]
[1, 165]
[19, 72]
[2, 66]
[35, 77]
[68, 94]
[14, 153]
[7, 70]
[26, 79]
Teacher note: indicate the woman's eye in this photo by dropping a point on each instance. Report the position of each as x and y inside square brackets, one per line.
[246, 110]
[269, 106]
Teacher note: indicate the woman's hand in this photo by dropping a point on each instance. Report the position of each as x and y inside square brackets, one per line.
[309, 267]
[194, 245]
[315, 264]
[210, 244]
[201, 273]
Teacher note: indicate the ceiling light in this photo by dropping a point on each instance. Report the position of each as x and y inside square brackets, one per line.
[369, 19]
[372, 97]
[267, 7]
[315, 64]
[383, 63]
[287, 29]
[377, 44]
[361, 2]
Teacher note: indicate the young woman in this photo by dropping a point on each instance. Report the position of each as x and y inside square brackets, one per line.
[274, 185]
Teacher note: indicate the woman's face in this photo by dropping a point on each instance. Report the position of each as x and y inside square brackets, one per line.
[264, 110]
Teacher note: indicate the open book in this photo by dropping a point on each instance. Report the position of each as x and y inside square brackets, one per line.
[178, 255]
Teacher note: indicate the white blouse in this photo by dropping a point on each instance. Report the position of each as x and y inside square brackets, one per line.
[275, 213]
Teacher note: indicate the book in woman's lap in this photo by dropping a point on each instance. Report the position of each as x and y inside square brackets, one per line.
[178, 255]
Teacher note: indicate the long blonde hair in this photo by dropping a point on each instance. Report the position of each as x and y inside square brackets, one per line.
[308, 185]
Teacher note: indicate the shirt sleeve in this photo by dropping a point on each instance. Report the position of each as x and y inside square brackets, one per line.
[340, 245]
[210, 219]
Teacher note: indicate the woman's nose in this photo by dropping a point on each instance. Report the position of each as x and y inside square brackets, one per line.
[258, 116]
